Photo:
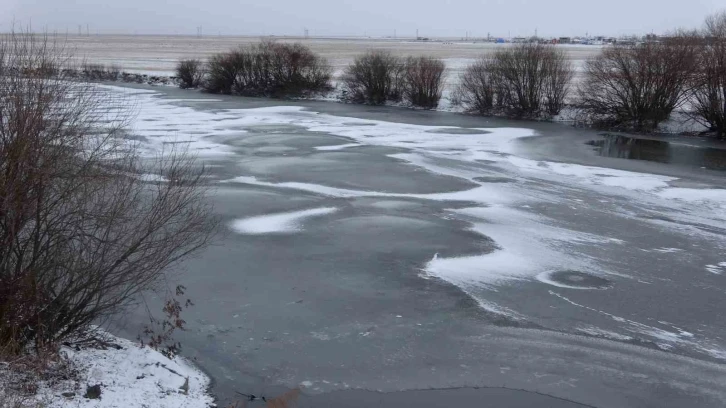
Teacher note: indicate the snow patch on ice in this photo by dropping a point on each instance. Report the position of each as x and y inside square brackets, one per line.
[696, 195]
[598, 332]
[528, 247]
[288, 222]
[547, 277]
[596, 175]
[667, 250]
[337, 147]
[717, 269]
[481, 194]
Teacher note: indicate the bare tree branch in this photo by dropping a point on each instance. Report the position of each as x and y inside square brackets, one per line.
[82, 230]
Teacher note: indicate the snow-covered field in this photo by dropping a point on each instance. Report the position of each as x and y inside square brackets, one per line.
[158, 55]
[130, 376]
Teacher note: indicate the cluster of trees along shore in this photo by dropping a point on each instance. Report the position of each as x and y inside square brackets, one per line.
[633, 87]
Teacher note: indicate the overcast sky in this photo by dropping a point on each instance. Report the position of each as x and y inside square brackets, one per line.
[359, 17]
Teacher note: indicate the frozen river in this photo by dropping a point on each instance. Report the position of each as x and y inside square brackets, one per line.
[390, 250]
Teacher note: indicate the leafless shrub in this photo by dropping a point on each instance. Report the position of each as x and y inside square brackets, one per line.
[557, 76]
[114, 72]
[268, 69]
[295, 69]
[99, 72]
[221, 73]
[423, 81]
[82, 230]
[707, 98]
[190, 73]
[636, 87]
[477, 88]
[527, 80]
[374, 78]
[159, 333]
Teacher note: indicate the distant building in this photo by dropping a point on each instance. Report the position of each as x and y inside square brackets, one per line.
[564, 40]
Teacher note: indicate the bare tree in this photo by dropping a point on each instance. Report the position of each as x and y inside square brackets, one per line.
[83, 227]
[477, 87]
[222, 71]
[423, 81]
[190, 73]
[296, 70]
[374, 77]
[558, 73]
[533, 79]
[708, 96]
[636, 87]
[524, 81]
[268, 69]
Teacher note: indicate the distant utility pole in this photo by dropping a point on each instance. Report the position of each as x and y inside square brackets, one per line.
[199, 31]
[88, 31]
[535, 33]
[417, 33]
[307, 33]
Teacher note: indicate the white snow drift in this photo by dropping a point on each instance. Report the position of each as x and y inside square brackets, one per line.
[288, 222]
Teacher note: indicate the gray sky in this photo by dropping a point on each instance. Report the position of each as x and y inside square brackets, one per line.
[371, 17]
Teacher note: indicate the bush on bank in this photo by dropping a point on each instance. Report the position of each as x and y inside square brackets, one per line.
[268, 69]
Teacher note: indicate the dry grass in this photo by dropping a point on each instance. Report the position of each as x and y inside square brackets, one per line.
[20, 378]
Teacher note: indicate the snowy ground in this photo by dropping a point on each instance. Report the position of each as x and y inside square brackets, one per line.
[130, 377]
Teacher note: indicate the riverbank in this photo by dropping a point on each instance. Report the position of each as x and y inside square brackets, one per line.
[110, 372]
[678, 126]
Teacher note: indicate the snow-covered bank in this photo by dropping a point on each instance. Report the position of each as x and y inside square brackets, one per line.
[129, 376]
